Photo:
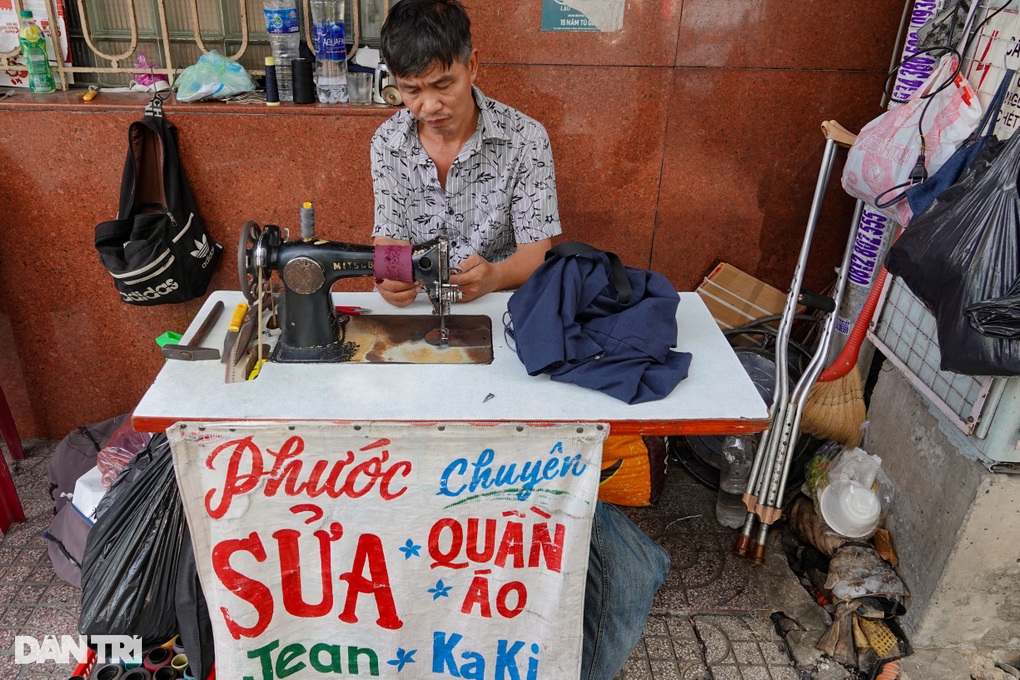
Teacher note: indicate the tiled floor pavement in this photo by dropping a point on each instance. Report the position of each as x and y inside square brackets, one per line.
[33, 601]
[710, 620]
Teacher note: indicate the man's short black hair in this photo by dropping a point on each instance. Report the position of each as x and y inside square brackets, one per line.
[419, 33]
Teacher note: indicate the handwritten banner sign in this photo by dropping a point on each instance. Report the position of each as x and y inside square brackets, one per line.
[391, 550]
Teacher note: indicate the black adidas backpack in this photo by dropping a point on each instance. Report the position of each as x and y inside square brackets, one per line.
[157, 250]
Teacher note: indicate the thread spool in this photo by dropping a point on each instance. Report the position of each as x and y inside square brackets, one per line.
[110, 671]
[303, 81]
[165, 673]
[156, 658]
[307, 221]
[272, 88]
[179, 662]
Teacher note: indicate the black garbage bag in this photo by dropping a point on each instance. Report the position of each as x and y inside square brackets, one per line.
[999, 317]
[964, 251]
[129, 570]
[193, 613]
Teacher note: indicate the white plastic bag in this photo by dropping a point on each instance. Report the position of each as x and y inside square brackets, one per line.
[887, 148]
[213, 76]
[850, 490]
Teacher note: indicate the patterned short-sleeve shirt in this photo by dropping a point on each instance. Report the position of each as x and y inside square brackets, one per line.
[500, 190]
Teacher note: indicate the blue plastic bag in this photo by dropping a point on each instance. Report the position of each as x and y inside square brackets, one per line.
[213, 76]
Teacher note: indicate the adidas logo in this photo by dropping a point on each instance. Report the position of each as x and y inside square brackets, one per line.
[202, 248]
[151, 293]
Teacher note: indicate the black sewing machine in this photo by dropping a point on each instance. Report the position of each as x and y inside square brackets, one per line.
[313, 331]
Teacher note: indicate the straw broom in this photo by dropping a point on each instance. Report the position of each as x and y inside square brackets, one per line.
[834, 408]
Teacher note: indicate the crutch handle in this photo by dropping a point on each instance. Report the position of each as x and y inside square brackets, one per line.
[817, 301]
[837, 133]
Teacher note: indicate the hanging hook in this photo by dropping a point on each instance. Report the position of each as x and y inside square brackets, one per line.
[155, 106]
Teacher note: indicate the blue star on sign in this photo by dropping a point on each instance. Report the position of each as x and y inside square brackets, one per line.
[441, 590]
[403, 657]
[410, 549]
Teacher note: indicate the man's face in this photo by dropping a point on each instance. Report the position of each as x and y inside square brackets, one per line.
[441, 97]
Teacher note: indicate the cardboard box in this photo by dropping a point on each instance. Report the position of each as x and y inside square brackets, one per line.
[735, 298]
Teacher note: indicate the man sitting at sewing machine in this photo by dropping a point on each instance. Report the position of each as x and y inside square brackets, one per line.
[458, 163]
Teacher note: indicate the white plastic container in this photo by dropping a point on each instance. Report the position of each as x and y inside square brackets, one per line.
[850, 508]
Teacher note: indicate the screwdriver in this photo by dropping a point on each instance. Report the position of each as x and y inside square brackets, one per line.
[233, 329]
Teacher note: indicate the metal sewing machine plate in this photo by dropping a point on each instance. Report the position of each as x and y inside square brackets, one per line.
[400, 339]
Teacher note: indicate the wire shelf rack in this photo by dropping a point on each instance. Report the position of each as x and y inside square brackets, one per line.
[906, 335]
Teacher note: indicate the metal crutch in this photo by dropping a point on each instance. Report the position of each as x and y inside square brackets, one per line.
[770, 468]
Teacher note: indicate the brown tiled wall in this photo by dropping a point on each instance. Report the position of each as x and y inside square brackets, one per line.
[689, 137]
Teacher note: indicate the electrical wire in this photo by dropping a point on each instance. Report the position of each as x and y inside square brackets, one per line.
[943, 50]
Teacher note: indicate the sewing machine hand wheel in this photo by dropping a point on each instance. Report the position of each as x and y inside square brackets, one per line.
[246, 270]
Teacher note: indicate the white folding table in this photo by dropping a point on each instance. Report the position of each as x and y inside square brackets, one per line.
[716, 398]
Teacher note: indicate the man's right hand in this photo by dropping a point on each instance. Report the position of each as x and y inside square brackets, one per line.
[398, 293]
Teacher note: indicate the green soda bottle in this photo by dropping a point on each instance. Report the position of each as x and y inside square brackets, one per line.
[33, 48]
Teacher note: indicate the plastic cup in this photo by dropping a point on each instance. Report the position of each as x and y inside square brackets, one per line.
[850, 508]
[359, 87]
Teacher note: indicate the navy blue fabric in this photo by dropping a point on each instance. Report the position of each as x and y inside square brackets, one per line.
[922, 195]
[567, 322]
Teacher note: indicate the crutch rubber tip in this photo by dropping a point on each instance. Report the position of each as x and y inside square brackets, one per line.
[743, 546]
[758, 555]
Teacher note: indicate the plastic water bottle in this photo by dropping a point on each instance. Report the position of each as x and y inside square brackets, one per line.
[285, 40]
[33, 49]
[735, 469]
[330, 50]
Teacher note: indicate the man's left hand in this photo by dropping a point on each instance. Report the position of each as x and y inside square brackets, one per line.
[478, 276]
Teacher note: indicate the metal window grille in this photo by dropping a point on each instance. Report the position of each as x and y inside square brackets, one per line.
[906, 335]
[106, 36]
